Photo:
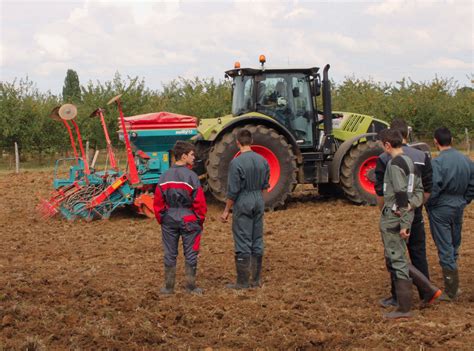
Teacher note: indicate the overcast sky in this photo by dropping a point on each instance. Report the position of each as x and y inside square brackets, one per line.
[160, 41]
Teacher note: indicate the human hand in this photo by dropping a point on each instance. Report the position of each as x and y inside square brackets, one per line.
[405, 233]
[399, 214]
[224, 216]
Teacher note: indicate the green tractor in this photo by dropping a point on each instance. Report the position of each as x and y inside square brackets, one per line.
[331, 150]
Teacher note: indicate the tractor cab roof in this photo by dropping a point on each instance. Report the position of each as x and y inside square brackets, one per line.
[258, 71]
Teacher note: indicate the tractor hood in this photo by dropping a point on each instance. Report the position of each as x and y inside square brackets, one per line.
[346, 125]
[209, 128]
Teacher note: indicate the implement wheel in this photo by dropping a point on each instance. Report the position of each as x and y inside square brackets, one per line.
[266, 142]
[358, 172]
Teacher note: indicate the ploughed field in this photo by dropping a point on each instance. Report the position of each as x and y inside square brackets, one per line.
[78, 285]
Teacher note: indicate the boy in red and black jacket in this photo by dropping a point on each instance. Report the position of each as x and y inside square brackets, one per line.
[180, 208]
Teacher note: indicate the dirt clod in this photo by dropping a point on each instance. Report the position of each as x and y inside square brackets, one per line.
[78, 285]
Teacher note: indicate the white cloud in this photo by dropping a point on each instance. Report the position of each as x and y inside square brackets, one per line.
[300, 13]
[164, 40]
[443, 63]
[386, 7]
[53, 46]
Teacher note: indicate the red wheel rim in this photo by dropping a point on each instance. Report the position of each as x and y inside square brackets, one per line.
[273, 163]
[366, 174]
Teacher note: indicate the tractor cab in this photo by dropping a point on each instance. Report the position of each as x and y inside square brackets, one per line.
[286, 95]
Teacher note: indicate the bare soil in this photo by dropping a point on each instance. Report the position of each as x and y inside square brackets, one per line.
[78, 285]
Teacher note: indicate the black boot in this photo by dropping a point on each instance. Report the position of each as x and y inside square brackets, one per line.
[170, 276]
[255, 270]
[242, 265]
[403, 287]
[190, 272]
[451, 284]
[428, 291]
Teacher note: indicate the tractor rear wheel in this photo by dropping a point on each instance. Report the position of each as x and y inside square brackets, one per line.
[269, 144]
[358, 172]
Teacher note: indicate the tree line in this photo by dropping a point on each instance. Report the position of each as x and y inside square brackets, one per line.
[24, 110]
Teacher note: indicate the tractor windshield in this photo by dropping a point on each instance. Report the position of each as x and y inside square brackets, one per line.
[286, 97]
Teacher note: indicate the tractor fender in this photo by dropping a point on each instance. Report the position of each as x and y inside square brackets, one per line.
[335, 167]
[242, 121]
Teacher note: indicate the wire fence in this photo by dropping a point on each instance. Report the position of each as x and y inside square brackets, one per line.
[34, 160]
[65, 158]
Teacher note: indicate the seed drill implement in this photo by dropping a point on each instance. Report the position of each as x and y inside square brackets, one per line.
[89, 193]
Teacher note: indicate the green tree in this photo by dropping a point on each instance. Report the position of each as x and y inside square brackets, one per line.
[71, 88]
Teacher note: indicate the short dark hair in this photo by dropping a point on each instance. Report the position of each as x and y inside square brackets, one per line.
[182, 148]
[400, 125]
[244, 137]
[443, 136]
[392, 136]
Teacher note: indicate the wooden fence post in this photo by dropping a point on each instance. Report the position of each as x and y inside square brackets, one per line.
[468, 142]
[87, 152]
[17, 159]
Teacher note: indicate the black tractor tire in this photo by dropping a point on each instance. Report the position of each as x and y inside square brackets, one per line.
[354, 163]
[225, 149]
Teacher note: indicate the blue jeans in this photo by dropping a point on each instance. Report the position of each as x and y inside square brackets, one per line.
[446, 226]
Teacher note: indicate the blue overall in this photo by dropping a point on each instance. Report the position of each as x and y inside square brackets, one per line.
[453, 189]
[248, 177]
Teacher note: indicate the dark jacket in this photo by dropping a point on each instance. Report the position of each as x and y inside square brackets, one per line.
[179, 194]
[421, 160]
[248, 173]
[453, 180]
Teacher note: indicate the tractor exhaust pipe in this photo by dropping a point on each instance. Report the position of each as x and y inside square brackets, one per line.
[327, 108]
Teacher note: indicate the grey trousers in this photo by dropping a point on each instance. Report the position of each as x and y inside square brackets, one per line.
[247, 226]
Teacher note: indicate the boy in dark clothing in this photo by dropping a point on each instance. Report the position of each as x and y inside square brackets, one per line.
[453, 189]
[416, 243]
[180, 208]
[248, 177]
[403, 192]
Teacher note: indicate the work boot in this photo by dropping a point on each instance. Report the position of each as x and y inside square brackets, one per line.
[429, 292]
[255, 270]
[451, 284]
[190, 272]
[242, 265]
[170, 276]
[403, 288]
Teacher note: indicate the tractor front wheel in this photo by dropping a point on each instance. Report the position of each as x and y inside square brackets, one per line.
[358, 172]
[269, 144]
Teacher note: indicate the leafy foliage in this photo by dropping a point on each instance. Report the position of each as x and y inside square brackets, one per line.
[24, 111]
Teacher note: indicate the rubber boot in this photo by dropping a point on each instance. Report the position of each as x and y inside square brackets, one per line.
[255, 270]
[429, 292]
[390, 301]
[170, 276]
[451, 284]
[242, 265]
[403, 287]
[190, 272]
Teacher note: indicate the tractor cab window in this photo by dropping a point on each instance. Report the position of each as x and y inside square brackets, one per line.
[243, 100]
[287, 99]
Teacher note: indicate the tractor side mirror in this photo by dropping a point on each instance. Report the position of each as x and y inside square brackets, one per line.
[296, 92]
